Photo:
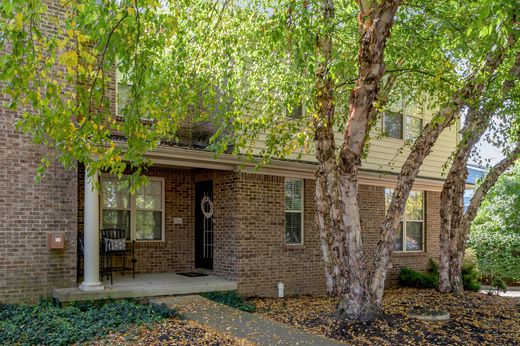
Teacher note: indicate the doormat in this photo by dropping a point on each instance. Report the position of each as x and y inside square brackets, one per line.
[192, 274]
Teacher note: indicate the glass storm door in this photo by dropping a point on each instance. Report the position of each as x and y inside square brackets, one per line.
[204, 224]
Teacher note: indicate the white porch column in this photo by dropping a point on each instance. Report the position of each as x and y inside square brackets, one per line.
[91, 233]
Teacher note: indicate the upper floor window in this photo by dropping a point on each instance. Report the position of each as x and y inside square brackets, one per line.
[296, 112]
[293, 211]
[397, 125]
[410, 235]
[123, 93]
[141, 215]
[123, 96]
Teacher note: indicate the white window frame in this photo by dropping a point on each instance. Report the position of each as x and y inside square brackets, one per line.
[133, 209]
[404, 220]
[301, 211]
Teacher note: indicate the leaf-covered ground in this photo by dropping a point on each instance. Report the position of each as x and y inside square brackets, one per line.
[476, 319]
[172, 331]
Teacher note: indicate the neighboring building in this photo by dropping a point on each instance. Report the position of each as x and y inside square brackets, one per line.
[475, 173]
[260, 230]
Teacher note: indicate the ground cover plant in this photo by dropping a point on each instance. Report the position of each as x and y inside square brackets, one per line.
[49, 324]
[412, 278]
[476, 319]
[232, 299]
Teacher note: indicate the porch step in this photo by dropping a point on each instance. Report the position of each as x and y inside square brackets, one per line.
[148, 285]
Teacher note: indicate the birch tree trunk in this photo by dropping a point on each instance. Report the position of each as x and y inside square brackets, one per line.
[452, 198]
[459, 240]
[421, 148]
[455, 223]
[326, 150]
[374, 24]
[338, 217]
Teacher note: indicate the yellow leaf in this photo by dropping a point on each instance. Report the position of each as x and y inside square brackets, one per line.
[69, 59]
[18, 22]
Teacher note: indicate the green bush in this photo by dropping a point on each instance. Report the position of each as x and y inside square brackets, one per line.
[411, 278]
[470, 271]
[498, 254]
[230, 298]
[498, 284]
[48, 324]
[495, 233]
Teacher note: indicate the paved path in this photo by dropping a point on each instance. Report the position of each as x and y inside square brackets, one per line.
[510, 293]
[244, 325]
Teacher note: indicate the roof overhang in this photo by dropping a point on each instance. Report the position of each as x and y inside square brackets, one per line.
[193, 158]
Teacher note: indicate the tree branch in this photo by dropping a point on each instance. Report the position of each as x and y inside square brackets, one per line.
[487, 184]
[411, 70]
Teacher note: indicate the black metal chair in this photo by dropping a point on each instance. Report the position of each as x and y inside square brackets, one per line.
[113, 243]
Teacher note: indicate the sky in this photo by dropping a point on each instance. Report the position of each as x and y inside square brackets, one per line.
[489, 153]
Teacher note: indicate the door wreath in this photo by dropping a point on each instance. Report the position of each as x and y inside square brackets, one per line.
[206, 205]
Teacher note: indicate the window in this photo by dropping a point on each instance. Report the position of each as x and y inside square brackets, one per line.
[393, 125]
[123, 97]
[410, 235]
[296, 112]
[123, 93]
[413, 127]
[141, 215]
[293, 211]
[401, 127]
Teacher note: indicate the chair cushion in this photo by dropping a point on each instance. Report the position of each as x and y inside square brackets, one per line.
[115, 244]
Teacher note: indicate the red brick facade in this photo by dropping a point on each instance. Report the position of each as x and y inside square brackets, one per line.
[249, 221]
[264, 259]
[28, 212]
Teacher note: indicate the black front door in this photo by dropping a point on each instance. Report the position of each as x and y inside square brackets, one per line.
[204, 224]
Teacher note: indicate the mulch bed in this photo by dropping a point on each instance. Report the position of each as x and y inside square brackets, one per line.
[173, 331]
[476, 319]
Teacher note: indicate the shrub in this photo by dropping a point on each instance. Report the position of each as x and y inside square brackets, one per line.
[470, 272]
[49, 324]
[411, 278]
[498, 284]
[495, 233]
[498, 254]
[232, 299]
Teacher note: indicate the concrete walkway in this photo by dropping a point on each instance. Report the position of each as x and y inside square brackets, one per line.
[512, 292]
[241, 324]
[148, 285]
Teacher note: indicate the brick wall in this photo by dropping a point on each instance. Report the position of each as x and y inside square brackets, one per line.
[372, 206]
[225, 217]
[30, 211]
[263, 259]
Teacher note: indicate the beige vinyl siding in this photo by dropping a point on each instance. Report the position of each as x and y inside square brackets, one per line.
[388, 154]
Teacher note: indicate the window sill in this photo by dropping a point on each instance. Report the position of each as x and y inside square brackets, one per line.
[409, 252]
[295, 246]
[146, 241]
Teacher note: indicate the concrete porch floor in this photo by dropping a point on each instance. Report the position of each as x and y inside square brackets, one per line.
[147, 285]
